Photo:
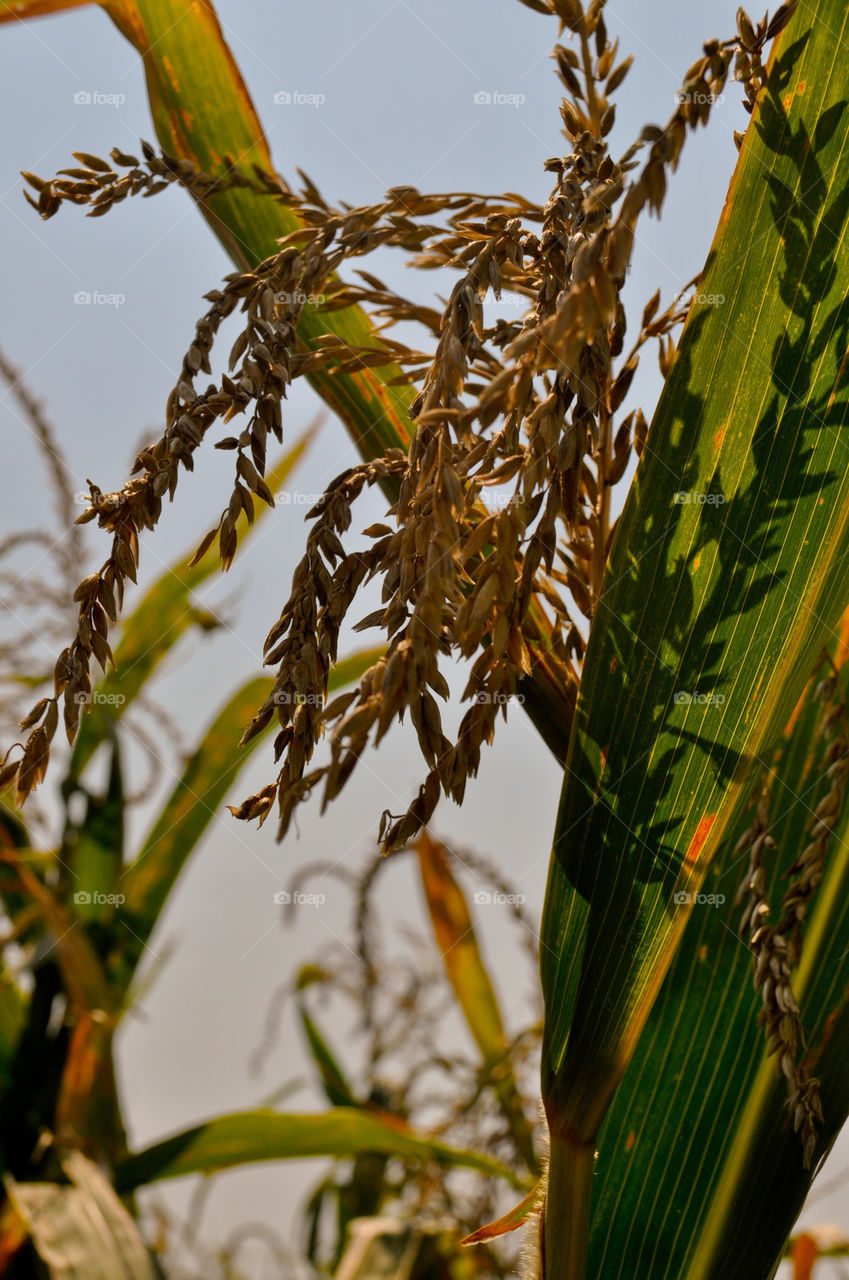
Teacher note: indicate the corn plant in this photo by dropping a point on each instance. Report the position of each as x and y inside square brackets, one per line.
[684, 659]
[79, 916]
[395, 1067]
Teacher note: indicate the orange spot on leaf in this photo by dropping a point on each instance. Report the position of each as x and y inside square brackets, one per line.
[600, 774]
[814, 1053]
[168, 68]
[719, 437]
[691, 857]
[377, 392]
[365, 384]
[801, 88]
[840, 372]
[614, 664]
[630, 1140]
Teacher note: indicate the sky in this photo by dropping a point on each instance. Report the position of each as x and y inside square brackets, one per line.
[362, 97]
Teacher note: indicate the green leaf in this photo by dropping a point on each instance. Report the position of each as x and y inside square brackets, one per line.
[13, 831]
[193, 804]
[15, 10]
[510, 1221]
[250, 1136]
[83, 977]
[202, 111]
[82, 1232]
[470, 981]
[163, 615]
[336, 1088]
[13, 835]
[96, 852]
[700, 1119]
[725, 596]
[13, 1012]
[761, 1172]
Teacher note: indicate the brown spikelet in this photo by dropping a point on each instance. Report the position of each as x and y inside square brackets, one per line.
[777, 949]
[808, 869]
[527, 407]
[780, 1012]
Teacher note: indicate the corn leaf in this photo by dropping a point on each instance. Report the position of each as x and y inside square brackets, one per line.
[510, 1221]
[202, 112]
[83, 975]
[95, 850]
[458, 947]
[88, 1113]
[13, 1011]
[16, 10]
[724, 584]
[13, 836]
[336, 1088]
[250, 1136]
[86, 1102]
[761, 1173]
[700, 1117]
[81, 1232]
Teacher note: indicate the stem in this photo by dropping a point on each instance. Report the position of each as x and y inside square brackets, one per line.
[566, 1226]
[599, 561]
[603, 519]
[589, 80]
